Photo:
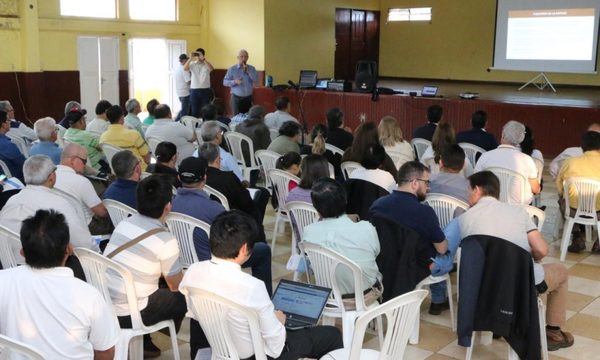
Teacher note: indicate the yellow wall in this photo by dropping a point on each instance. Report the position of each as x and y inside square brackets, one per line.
[457, 44]
[301, 35]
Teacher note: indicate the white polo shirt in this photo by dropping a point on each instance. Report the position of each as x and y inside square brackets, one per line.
[182, 82]
[97, 126]
[70, 182]
[275, 119]
[60, 316]
[379, 177]
[511, 158]
[33, 198]
[175, 132]
[200, 75]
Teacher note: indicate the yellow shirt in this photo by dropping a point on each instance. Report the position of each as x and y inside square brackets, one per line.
[126, 139]
[586, 165]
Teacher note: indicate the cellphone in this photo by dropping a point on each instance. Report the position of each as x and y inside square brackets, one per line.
[195, 54]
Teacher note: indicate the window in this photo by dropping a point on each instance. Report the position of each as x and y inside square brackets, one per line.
[106, 9]
[412, 14]
[165, 10]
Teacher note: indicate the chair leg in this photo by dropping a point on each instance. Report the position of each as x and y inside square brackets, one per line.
[512, 355]
[568, 228]
[543, 339]
[348, 327]
[380, 331]
[451, 304]
[328, 320]
[470, 348]
[414, 336]
[277, 217]
[174, 345]
[136, 348]
[588, 234]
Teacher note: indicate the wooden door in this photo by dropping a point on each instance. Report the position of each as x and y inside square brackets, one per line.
[357, 38]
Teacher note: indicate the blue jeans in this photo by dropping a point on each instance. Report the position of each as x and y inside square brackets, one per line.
[185, 107]
[199, 98]
[444, 263]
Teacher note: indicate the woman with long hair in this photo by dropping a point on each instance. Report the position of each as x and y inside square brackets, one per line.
[365, 136]
[392, 139]
[443, 136]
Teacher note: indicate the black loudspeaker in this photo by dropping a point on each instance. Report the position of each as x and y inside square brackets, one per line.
[365, 78]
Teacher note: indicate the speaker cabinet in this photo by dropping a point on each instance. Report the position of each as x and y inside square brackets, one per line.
[366, 76]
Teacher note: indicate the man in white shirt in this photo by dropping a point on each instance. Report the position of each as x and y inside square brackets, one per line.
[275, 119]
[509, 156]
[200, 91]
[100, 123]
[556, 164]
[43, 305]
[40, 176]
[165, 129]
[232, 237]
[182, 86]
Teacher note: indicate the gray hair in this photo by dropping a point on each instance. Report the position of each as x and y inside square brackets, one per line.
[70, 105]
[209, 151]
[37, 169]
[5, 106]
[44, 128]
[513, 132]
[124, 163]
[131, 104]
[209, 130]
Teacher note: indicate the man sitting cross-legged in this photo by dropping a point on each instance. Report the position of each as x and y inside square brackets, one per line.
[232, 236]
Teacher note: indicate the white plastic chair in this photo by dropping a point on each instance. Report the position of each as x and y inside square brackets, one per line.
[539, 164]
[182, 227]
[117, 210]
[348, 167]
[20, 142]
[9, 241]
[536, 213]
[420, 145]
[511, 181]
[234, 142]
[587, 191]
[10, 347]
[471, 151]
[5, 169]
[445, 207]
[191, 122]
[301, 215]
[212, 312]
[324, 263]
[267, 159]
[60, 135]
[219, 195]
[334, 149]
[109, 151]
[153, 143]
[80, 208]
[96, 267]
[400, 314]
[273, 133]
[414, 337]
[280, 180]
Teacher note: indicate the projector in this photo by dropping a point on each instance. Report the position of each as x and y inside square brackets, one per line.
[469, 95]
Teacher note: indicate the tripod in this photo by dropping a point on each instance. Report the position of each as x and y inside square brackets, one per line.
[540, 82]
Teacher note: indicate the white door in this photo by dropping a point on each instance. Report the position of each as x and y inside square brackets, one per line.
[98, 59]
[109, 69]
[174, 49]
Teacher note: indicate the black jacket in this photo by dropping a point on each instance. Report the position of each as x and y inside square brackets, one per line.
[361, 194]
[478, 137]
[400, 259]
[425, 132]
[497, 293]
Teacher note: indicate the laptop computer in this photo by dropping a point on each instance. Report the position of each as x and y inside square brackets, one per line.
[429, 91]
[301, 303]
[322, 84]
[308, 79]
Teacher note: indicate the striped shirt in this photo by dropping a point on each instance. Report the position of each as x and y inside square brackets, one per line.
[147, 260]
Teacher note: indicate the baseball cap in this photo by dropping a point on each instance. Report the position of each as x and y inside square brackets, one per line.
[74, 116]
[192, 170]
[74, 106]
[183, 57]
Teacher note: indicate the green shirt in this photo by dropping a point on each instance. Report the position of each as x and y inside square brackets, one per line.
[133, 122]
[149, 120]
[88, 141]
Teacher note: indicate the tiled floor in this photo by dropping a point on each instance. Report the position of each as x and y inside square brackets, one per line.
[437, 341]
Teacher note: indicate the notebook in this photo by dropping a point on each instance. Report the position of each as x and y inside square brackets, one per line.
[301, 303]
[430, 91]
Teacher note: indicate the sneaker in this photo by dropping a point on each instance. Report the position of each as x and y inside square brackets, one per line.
[150, 350]
[436, 309]
[577, 244]
[596, 247]
[558, 339]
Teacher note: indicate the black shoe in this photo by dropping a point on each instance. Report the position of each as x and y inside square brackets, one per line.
[150, 350]
[436, 309]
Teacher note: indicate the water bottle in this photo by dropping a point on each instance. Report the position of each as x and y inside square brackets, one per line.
[269, 81]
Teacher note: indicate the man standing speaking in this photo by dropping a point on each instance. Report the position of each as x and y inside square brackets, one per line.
[241, 78]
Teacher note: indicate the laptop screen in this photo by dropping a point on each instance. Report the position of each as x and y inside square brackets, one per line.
[429, 91]
[300, 299]
[308, 78]
[322, 83]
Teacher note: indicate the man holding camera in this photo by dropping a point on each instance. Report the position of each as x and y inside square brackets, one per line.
[200, 91]
[240, 78]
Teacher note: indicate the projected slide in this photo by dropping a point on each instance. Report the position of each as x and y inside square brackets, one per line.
[550, 34]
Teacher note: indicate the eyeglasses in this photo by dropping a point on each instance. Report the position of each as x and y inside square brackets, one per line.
[83, 160]
[427, 182]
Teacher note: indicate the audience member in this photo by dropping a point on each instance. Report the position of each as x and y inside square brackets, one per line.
[434, 115]
[132, 121]
[338, 135]
[77, 134]
[371, 169]
[290, 135]
[166, 162]
[366, 135]
[71, 106]
[9, 152]
[244, 106]
[318, 146]
[511, 222]
[241, 79]
[45, 129]
[212, 132]
[588, 166]
[232, 237]
[128, 172]
[100, 123]
[17, 127]
[200, 91]
[509, 156]
[165, 128]
[312, 168]
[442, 137]
[449, 181]
[477, 135]
[556, 163]
[528, 146]
[153, 255]
[44, 306]
[392, 139]
[290, 162]
[280, 116]
[149, 120]
[182, 86]
[220, 107]
[126, 139]
[357, 241]
[258, 132]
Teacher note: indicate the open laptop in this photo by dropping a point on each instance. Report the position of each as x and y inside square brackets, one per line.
[429, 91]
[308, 79]
[301, 303]
[322, 84]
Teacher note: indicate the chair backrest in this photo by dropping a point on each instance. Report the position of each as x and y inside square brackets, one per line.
[396, 157]
[536, 213]
[219, 195]
[153, 143]
[280, 180]
[471, 151]
[587, 191]
[191, 122]
[117, 210]
[334, 149]
[324, 262]
[182, 227]
[213, 313]
[331, 171]
[445, 206]
[234, 142]
[274, 133]
[80, 208]
[268, 160]
[109, 151]
[20, 142]
[5, 169]
[303, 214]
[348, 167]
[11, 347]
[401, 313]
[9, 241]
[511, 181]
[60, 135]
[144, 175]
[539, 164]
[420, 145]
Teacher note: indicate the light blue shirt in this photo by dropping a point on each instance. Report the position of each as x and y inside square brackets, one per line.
[249, 78]
[49, 149]
[228, 163]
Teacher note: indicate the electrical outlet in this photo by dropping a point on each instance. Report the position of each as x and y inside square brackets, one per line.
[363, 117]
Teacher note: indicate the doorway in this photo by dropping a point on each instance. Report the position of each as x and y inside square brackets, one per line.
[356, 39]
[152, 64]
[98, 59]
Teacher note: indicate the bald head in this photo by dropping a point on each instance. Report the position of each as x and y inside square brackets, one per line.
[75, 157]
